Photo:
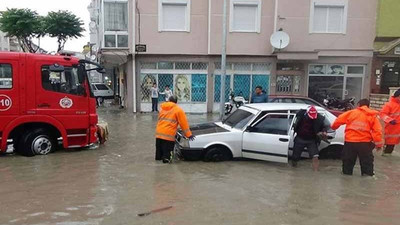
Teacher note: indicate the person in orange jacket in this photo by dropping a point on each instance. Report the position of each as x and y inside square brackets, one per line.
[390, 114]
[170, 116]
[362, 134]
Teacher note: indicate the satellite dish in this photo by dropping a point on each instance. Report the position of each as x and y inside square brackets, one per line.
[279, 40]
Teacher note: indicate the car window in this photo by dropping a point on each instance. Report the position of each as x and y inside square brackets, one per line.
[263, 113]
[274, 100]
[239, 119]
[5, 76]
[93, 87]
[101, 87]
[287, 100]
[273, 124]
[62, 82]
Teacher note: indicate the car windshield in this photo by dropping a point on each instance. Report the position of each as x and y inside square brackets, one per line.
[239, 119]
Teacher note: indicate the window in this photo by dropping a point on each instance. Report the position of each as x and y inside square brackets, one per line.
[174, 15]
[355, 69]
[5, 76]
[116, 24]
[328, 16]
[245, 16]
[273, 124]
[101, 87]
[239, 119]
[63, 82]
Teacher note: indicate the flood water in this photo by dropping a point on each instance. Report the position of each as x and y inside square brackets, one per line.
[114, 183]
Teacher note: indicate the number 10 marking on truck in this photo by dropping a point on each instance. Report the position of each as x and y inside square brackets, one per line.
[5, 103]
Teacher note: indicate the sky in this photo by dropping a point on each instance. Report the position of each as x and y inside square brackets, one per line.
[42, 7]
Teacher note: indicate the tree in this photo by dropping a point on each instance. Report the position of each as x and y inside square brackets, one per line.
[63, 25]
[25, 25]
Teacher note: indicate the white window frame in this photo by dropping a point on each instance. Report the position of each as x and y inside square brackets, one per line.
[179, 2]
[115, 33]
[327, 3]
[245, 2]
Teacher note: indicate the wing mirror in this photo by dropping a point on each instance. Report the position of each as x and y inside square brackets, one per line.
[250, 129]
[101, 70]
[56, 68]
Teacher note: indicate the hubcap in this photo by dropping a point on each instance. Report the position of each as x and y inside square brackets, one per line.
[41, 145]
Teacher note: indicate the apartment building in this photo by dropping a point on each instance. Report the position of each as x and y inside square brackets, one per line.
[330, 49]
[386, 61]
[4, 42]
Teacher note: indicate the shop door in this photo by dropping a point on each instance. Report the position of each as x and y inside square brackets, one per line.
[353, 88]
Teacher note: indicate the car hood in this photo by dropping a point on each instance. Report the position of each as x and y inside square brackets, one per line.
[207, 128]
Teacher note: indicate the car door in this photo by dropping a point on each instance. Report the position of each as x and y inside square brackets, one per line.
[268, 138]
[63, 96]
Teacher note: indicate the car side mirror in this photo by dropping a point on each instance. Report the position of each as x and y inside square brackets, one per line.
[101, 70]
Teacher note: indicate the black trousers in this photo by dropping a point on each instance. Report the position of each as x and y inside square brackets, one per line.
[389, 149]
[154, 104]
[300, 144]
[164, 149]
[362, 150]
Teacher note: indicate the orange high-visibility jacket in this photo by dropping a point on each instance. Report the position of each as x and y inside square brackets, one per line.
[362, 125]
[170, 116]
[389, 112]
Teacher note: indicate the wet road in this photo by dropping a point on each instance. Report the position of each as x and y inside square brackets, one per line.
[111, 185]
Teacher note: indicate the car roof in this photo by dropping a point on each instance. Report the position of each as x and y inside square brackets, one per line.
[280, 106]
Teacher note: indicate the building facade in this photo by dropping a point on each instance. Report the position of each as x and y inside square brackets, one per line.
[112, 43]
[330, 50]
[4, 42]
[386, 62]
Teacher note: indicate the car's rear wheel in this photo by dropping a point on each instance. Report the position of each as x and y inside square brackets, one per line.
[217, 154]
[331, 152]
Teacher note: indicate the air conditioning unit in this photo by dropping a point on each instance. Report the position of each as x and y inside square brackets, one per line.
[397, 51]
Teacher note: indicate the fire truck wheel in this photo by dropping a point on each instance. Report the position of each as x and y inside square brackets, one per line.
[36, 142]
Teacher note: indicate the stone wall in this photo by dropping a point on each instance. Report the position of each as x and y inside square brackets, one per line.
[378, 100]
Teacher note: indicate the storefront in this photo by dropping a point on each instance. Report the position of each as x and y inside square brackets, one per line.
[336, 80]
[187, 80]
[241, 79]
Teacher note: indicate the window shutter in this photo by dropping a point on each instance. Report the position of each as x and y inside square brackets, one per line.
[244, 17]
[335, 19]
[320, 19]
[174, 16]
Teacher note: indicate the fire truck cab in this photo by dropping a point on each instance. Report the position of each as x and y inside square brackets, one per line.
[43, 99]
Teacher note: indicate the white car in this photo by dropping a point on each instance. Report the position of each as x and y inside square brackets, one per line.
[101, 92]
[261, 131]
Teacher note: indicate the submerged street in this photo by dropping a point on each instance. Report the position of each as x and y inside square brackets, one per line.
[121, 179]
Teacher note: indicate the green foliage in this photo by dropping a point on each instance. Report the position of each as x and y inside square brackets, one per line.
[24, 24]
[62, 25]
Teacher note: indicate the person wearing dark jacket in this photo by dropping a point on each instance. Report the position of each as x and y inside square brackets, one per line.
[310, 127]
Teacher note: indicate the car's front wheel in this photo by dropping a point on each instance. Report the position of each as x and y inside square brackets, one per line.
[217, 154]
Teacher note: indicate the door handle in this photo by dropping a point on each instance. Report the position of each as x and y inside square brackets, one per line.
[283, 139]
[43, 105]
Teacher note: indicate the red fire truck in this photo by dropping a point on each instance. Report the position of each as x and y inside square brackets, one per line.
[45, 99]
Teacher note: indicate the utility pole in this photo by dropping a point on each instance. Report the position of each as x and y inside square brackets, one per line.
[223, 63]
